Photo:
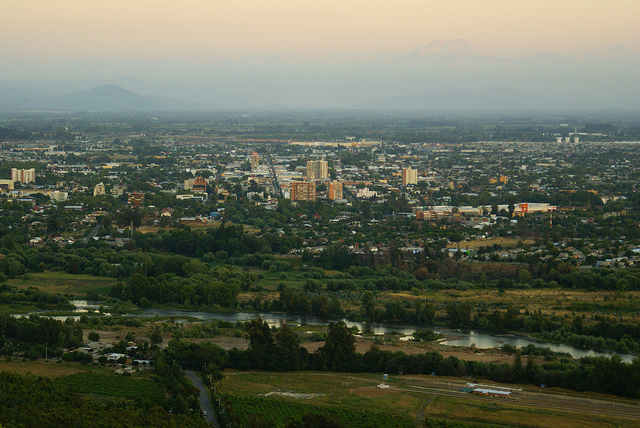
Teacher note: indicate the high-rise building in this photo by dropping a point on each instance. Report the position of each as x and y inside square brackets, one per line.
[335, 190]
[199, 185]
[255, 161]
[23, 175]
[58, 196]
[135, 199]
[317, 170]
[118, 189]
[303, 191]
[99, 190]
[409, 176]
[188, 184]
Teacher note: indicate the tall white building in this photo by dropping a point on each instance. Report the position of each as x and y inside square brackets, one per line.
[23, 175]
[409, 176]
[58, 196]
[255, 161]
[99, 190]
[317, 170]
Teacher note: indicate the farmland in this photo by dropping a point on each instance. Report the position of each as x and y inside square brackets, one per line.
[417, 398]
[99, 382]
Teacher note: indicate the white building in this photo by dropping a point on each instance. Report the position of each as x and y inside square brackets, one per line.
[317, 170]
[23, 175]
[99, 190]
[409, 176]
[58, 196]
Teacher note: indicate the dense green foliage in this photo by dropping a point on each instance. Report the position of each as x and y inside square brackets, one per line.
[438, 423]
[29, 401]
[269, 412]
[143, 391]
[199, 290]
[42, 300]
[34, 330]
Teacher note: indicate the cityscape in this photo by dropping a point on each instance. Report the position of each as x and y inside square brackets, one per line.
[330, 214]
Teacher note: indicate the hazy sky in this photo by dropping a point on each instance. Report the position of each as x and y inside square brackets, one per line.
[158, 29]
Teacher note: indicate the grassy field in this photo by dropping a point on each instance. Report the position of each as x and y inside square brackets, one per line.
[278, 413]
[60, 282]
[102, 381]
[514, 415]
[337, 396]
[41, 368]
[93, 381]
[550, 301]
[331, 389]
[404, 400]
[489, 242]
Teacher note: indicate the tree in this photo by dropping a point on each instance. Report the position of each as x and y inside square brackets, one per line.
[368, 304]
[7, 241]
[459, 314]
[261, 344]
[339, 348]
[288, 349]
[129, 216]
[93, 336]
[54, 224]
[156, 337]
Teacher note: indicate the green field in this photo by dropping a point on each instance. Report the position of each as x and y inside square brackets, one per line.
[342, 398]
[356, 398]
[278, 413]
[60, 282]
[125, 387]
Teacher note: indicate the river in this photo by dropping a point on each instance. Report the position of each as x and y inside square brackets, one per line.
[479, 339]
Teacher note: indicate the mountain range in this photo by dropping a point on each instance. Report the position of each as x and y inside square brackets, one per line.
[448, 74]
[101, 98]
[497, 98]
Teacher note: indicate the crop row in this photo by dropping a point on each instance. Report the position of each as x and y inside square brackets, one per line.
[280, 412]
[117, 386]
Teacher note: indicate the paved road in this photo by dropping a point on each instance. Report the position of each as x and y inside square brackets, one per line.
[93, 233]
[205, 403]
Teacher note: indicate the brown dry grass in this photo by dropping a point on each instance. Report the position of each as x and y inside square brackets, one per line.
[59, 282]
[549, 301]
[40, 368]
[496, 411]
[415, 348]
[489, 242]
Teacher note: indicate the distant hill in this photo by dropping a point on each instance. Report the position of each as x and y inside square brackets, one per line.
[16, 98]
[501, 97]
[447, 49]
[100, 98]
[617, 52]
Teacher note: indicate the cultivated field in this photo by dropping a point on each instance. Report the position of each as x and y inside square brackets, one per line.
[428, 397]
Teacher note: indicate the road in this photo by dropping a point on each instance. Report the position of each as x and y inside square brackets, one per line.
[274, 177]
[205, 403]
[93, 233]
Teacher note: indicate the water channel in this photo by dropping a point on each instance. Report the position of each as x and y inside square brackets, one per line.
[479, 339]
